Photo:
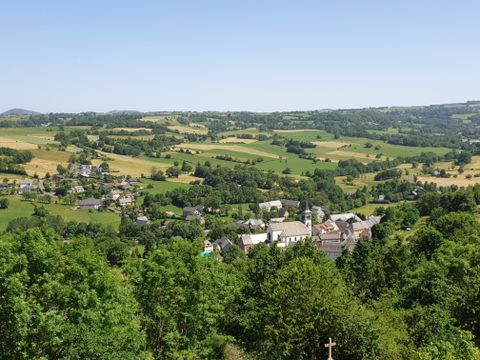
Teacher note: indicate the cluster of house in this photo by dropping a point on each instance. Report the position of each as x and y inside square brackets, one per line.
[120, 192]
[332, 236]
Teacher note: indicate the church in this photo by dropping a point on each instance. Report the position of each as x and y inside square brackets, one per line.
[283, 233]
[288, 233]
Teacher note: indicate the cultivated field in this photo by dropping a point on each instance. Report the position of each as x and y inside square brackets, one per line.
[16, 144]
[264, 155]
[233, 139]
[127, 165]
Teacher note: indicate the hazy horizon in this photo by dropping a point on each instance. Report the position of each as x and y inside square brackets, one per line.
[240, 110]
[237, 56]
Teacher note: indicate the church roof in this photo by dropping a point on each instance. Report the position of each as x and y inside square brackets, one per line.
[291, 228]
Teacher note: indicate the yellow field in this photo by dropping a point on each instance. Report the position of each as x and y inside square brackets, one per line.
[185, 178]
[41, 167]
[127, 165]
[351, 154]
[46, 161]
[229, 147]
[189, 129]
[233, 139]
[461, 180]
[16, 144]
[331, 144]
[93, 137]
[45, 137]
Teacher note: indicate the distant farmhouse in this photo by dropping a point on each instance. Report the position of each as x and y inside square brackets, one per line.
[88, 204]
[25, 187]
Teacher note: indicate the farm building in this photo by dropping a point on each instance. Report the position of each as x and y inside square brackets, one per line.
[91, 203]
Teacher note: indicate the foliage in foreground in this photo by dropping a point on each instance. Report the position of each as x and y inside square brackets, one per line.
[69, 293]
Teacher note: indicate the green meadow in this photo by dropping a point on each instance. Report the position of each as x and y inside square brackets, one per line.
[19, 208]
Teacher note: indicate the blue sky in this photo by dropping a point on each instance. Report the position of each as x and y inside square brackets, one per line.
[236, 55]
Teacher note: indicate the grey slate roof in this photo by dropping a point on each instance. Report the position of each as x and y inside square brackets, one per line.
[91, 202]
[142, 220]
[367, 224]
[224, 244]
[286, 202]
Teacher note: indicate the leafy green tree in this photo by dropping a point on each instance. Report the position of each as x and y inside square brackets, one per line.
[157, 175]
[294, 300]
[426, 241]
[62, 301]
[436, 337]
[455, 223]
[186, 167]
[185, 298]
[4, 203]
[173, 171]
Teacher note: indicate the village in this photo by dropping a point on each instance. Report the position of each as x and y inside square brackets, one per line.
[332, 233]
[282, 222]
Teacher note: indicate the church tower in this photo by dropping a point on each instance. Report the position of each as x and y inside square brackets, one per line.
[307, 215]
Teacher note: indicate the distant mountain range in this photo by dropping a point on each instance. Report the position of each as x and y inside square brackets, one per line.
[18, 112]
[129, 112]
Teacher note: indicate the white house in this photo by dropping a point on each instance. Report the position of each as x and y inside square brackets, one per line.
[207, 247]
[86, 170]
[248, 241]
[288, 232]
[26, 186]
[267, 206]
[115, 194]
[125, 201]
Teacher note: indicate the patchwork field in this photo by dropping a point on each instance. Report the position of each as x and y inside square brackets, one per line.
[238, 148]
[273, 158]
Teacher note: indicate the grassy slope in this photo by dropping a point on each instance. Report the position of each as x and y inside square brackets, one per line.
[19, 208]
